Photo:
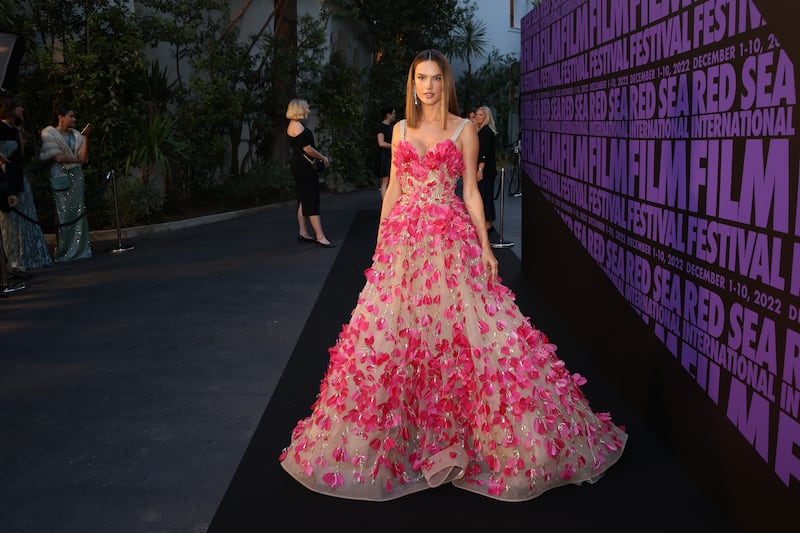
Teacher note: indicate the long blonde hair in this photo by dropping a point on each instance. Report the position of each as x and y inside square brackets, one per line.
[489, 119]
[449, 102]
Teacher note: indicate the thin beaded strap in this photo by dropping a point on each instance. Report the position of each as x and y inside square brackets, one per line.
[458, 130]
[403, 130]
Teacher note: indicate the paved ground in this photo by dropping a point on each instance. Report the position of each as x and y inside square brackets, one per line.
[131, 382]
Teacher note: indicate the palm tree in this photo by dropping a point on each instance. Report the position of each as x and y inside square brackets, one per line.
[469, 41]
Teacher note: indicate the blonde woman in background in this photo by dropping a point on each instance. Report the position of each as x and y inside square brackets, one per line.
[301, 139]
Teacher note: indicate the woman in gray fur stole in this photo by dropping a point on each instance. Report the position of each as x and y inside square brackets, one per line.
[66, 149]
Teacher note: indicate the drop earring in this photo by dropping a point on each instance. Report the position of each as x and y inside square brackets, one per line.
[416, 102]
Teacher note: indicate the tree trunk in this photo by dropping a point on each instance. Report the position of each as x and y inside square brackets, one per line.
[283, 84]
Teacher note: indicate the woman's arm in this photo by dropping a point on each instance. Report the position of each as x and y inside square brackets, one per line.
[313, 152]
[472, 196]
[382, 141]
[393, 191]
[83, 152]
[67, 159]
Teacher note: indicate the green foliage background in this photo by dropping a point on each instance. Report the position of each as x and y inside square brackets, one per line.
[205, 131]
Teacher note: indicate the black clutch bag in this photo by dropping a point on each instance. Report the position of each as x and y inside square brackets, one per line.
[317, 164]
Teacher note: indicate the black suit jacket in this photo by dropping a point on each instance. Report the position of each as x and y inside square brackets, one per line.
[486, 152]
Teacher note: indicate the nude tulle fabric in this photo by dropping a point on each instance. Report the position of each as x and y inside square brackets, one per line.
[438, 377]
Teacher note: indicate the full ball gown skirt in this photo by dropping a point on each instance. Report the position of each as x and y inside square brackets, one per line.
[438, 377]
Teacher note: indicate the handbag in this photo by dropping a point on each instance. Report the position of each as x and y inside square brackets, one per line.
[61, 182]
[317, 164]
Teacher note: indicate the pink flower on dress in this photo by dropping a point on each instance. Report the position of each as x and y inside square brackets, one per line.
[339, 454]
[333, 479]
[568, 471]
[496, 486]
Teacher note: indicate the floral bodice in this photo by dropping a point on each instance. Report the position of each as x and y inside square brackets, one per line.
[430, 177]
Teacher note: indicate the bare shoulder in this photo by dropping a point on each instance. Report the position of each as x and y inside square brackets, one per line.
[397, 125]
[295, 128]
[454, 121]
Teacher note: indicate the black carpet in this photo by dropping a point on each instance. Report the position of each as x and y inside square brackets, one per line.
[646, 491]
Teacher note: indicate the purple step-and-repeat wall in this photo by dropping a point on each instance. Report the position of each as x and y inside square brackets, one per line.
[662, 133]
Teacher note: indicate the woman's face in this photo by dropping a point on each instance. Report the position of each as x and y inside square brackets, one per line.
[18, 111]
[480, 117]
[428, 82]
[68, 120]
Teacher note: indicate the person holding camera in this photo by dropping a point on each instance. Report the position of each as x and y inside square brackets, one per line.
[67, 150]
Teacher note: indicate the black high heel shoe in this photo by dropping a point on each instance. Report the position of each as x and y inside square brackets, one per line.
[300, 238]
[329, 245]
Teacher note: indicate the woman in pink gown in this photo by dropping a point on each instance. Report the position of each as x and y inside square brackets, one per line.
[438, 377]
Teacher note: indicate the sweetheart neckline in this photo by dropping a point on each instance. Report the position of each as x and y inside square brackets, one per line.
[431, 149]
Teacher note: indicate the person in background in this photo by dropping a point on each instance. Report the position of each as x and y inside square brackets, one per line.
[8, 193]
[438, 378]
[384, 136]
[301, 140]
[487, 161]
[23, 241]
[67, 151]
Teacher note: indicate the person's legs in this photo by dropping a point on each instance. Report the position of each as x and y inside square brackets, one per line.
[301, 223]
[316, 223]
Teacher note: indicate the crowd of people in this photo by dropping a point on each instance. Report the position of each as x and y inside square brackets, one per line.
[438, 378]
[65, 149]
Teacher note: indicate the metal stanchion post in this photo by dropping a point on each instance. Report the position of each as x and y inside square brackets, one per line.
[517, 170]
[120, 247]
[502, 243]
[7, 288]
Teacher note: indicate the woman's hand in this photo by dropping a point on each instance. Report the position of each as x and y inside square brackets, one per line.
[490, 263]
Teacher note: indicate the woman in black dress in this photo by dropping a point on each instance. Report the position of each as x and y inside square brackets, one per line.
[384, 136]
[487, 165]
[301, 139]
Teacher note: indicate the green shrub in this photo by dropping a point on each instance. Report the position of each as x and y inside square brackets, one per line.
[140, 202]
[266, 182]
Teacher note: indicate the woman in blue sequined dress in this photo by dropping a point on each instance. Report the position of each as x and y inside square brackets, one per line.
[67, 150]
[23, 241]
